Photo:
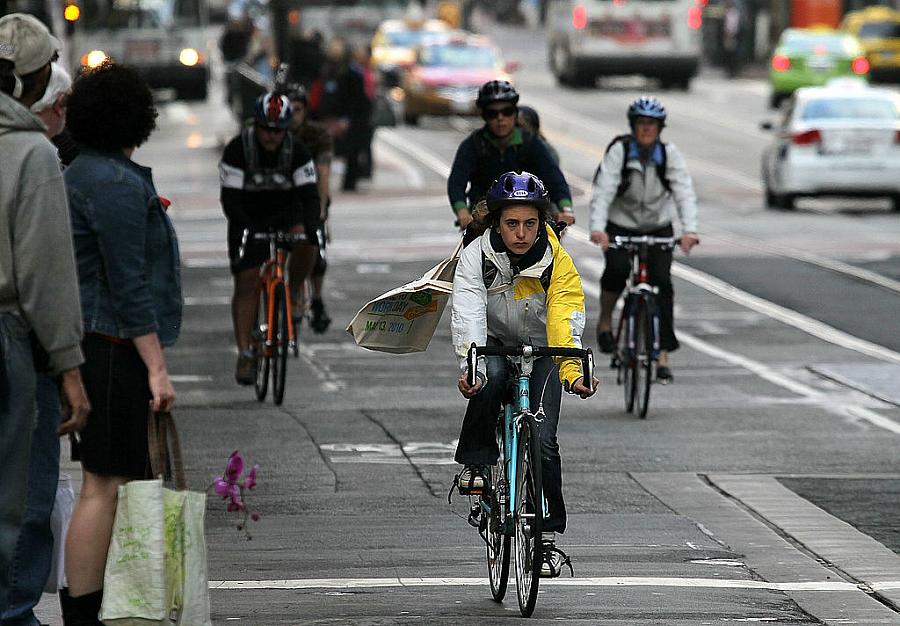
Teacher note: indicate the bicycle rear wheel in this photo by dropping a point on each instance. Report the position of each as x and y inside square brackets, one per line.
[497, 551]
[529, 517]
[643, 358]
[258, 337]
[280, 341]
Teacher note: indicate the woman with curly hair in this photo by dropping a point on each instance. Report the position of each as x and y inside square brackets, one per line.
[129, 279]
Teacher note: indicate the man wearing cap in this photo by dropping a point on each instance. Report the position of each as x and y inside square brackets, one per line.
[38, 281]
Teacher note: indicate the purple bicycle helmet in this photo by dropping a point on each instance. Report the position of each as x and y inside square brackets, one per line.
[517, 188]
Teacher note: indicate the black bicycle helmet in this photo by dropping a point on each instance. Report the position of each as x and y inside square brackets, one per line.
[496, 91]
[297, 93]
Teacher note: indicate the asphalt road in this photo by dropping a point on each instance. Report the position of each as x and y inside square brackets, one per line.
[787, 373]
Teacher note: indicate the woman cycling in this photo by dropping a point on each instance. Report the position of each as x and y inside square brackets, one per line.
[515, 285]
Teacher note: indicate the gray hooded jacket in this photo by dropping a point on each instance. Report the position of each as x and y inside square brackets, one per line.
[37, 263]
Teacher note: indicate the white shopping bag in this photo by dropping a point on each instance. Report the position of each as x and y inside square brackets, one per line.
[59, 525]
[404, 319]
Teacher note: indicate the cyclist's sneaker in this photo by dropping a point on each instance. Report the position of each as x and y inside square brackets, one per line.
[320, 320]
[553, 558]
[471, 480]
[663, 375]
[606, 341]
[245, 371]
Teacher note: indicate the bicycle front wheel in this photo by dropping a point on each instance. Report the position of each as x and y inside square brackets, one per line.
[280, 343]
[497, 540]
[643, 358]
[529, 517]
[258, 337]
[626, 359]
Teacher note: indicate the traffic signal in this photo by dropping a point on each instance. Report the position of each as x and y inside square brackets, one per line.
[72, 13]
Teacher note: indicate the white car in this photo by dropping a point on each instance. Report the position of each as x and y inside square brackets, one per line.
[834, 141]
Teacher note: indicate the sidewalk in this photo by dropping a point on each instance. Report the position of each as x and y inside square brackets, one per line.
[392, 177]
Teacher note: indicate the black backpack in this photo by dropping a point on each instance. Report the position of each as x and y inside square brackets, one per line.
[625, 180]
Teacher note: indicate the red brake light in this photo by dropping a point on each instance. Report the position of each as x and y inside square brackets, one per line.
[695, 17]
[897, 137]
[860, 65]
[579, 17]
[807, 137]
[781, 63]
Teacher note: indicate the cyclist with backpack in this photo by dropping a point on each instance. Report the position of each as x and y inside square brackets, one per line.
[267, 180]
[515, 284]
[635, 188]
[501, 146]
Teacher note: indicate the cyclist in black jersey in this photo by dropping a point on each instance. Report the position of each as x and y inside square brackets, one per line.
[267, 180]
[498, 147]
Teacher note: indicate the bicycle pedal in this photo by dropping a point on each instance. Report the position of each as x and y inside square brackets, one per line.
[474, 518]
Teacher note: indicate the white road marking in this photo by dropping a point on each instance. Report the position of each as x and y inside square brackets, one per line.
[189, 378]
[425, 157]
[604, 581]
[827, 401]
[807, 257]
[411, 174]
[206, 300]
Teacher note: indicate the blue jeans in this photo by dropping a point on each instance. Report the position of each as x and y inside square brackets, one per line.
[17, 417]
[34, 551]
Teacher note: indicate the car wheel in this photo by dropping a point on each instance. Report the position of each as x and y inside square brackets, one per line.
[772, 199]
[787, 202]
[775, 99]
[895, 202]
[559, 60]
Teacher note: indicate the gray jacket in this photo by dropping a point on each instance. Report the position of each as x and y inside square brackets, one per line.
[646, 204]
[37, 263]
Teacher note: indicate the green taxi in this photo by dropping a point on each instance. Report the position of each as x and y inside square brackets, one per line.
[809, 57]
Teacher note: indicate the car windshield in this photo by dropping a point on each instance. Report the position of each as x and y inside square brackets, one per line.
[139, 14]
[808, 43]
[458, 56]
[406, 38]
[851, 108]
[880, 30]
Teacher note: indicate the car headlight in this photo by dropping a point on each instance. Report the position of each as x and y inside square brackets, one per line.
[189, 57]
[93, 58]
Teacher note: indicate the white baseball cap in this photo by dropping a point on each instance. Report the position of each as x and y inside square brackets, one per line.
[26, 42]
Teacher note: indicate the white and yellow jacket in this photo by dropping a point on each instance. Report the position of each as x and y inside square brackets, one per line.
[540, 304]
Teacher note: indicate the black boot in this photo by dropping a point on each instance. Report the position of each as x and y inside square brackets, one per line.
[82, 610]
[320, 320]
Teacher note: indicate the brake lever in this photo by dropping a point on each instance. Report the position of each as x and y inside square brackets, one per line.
[472, 363]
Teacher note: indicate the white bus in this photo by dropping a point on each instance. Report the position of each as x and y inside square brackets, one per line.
[655, 38]
[166, 40]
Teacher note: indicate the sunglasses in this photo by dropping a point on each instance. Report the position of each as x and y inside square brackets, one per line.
[492, 114]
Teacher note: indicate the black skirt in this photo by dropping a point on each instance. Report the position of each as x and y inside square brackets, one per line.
[114, 443]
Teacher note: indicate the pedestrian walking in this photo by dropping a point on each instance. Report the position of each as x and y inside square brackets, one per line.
[38, 283]
[129, 277]
[33, 557]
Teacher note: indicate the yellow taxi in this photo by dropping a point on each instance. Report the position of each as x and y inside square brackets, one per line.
[394, 45]
[878, 30]
[447, 74]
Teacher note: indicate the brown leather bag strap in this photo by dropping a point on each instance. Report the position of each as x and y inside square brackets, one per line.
[165, 448]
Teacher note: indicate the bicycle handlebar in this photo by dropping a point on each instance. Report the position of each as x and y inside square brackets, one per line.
[586, 356]
[622, 242]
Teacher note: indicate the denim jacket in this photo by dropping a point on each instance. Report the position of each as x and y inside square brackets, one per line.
[129, 270]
